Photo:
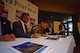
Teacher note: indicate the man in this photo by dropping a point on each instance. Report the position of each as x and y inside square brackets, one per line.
[20, 29]
[62, 28]
[44, 31]
[51, 29]
[5, 29]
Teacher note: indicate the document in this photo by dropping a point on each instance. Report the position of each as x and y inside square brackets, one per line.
[53, 38]
[29, 47]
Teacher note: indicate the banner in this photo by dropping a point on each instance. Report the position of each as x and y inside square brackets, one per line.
[14, 6]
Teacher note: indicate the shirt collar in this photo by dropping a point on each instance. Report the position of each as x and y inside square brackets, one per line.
[22, 22]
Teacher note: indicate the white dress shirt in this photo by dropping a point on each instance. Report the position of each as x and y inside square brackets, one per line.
[23, 26]
[50, 29]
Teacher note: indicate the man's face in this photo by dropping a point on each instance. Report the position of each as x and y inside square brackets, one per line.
[50, 25]
[1, 8]
[26, 19]
[42, 24]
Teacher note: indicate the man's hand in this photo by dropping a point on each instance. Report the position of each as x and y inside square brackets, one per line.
[36, 35]
[8, 37]
[46, 34]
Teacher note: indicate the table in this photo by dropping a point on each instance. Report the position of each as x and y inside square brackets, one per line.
[63, 45]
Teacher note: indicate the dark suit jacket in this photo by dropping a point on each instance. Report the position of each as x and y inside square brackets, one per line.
[18, 30]
[44, 30]
[5, 26]
[52, 31]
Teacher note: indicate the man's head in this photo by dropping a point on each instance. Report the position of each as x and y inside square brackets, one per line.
[50, 25]
[62, 21]
[25, 17]
[1, 7]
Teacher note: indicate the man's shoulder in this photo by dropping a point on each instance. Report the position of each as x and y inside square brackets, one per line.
[4, 20]
[16, 23]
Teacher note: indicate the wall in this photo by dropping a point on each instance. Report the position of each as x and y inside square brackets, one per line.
[56, 26]
[78, 17]
[57, 8]
[53, 6]
[78, 23]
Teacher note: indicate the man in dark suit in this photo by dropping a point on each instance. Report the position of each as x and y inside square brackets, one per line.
[20, 28]
[62, 28]
[44, 30]
[51, 29]
[5, 29]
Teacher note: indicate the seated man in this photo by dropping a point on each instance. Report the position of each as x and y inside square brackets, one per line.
[20, 28]
[5, 29]
[51, 29]
[44, 29]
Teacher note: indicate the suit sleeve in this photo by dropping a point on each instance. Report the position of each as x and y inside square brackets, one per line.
[6, 28]
[18, 31]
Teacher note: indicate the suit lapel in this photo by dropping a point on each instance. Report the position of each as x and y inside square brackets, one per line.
[21, 27]
[26, 27]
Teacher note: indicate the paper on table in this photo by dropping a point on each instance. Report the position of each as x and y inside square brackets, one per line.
[54, 38]
[30, 47]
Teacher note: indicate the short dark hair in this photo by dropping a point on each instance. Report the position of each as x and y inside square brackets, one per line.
[23, 15]
[1, 2]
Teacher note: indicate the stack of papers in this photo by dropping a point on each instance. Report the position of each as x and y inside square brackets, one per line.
[53, 38]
